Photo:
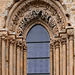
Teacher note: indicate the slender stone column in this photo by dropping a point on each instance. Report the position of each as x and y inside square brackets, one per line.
[70, 32]
[19, 45]
[11, 57]
[3, 55]
[61, 59]
[25, 58]
[7, 47]
[74, 64]
[15, 52]
[22, 61]
[68, 58]
[71, 42]
[51, 59]
[64, 47]
[54, 51]
[57, 48]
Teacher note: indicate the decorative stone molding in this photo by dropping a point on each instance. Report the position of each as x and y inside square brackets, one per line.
[4, 32]
[19, 43]
[70, 31]
[51, 47]
[31, 10]
[12, 41]
[63, 38]
[3, 37]
[57, 42]
[24, 45]
[64, 41]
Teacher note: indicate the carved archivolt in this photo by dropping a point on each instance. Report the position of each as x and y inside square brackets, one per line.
[30, 10]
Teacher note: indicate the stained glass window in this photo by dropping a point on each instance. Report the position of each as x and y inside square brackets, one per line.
[38, 51]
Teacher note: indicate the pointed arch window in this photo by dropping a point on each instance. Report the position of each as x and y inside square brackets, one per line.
[38, 51]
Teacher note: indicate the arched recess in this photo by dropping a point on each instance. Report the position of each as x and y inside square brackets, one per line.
[21, 18]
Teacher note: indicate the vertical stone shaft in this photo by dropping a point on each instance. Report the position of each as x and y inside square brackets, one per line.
[25, 63]
[18, 57]
[7, 57]
[68, 58]
[71, 55]
[15, 59]
[51, 59]
[64, 57]
[25, 58]
[61, 59]
[22, 61]
[54, 61]
[57, 57]
[11, 57]
[3, 55]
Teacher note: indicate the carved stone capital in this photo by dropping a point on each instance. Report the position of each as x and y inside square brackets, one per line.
[64, 41]
[24, 45]
[12, 41]
[70, 31]
[19, 43]
[3, 37]
[57, 43]
[71, 38]
[51, 47]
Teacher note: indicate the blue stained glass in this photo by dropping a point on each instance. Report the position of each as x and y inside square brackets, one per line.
[37, 33]
[38, 66]
[38, 51]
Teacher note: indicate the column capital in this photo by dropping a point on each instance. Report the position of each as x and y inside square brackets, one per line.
[70, 31]
[3, 32]
[63, 38]
[3, 37]
[57, 42]
[12, 41]
[64, 41]
[19, 41]
[24, 45]
[51, 47]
